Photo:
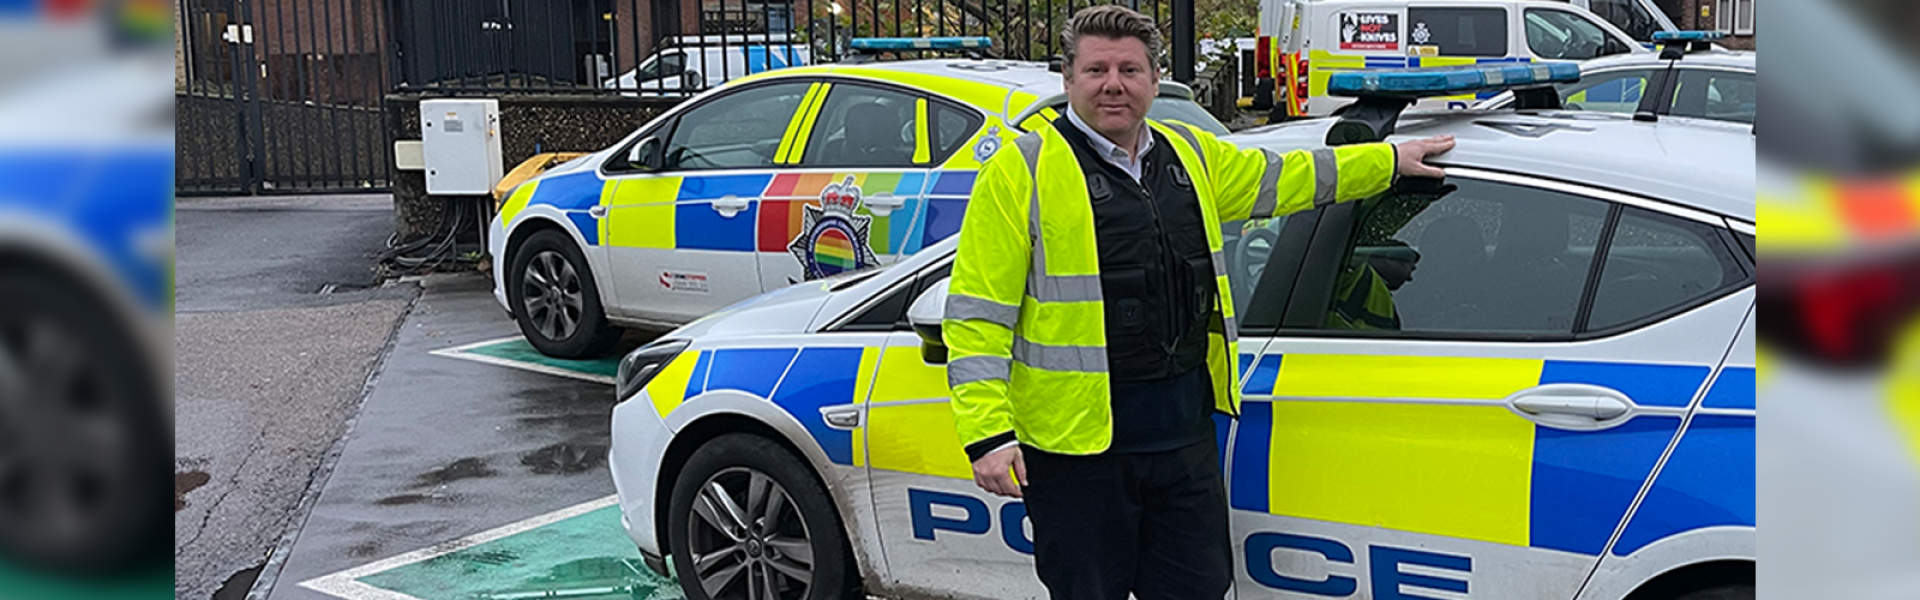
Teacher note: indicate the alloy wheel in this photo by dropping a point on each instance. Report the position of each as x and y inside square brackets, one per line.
[550, 292]
[747, 539]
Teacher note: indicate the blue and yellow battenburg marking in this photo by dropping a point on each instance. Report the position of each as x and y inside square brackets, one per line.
[933, 203]
[1482, 472]
[912, 427]
[1379, 464]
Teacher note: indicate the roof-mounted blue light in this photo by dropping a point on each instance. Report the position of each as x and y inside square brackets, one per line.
[920, 43]
[1448, 81]
[1688, 36]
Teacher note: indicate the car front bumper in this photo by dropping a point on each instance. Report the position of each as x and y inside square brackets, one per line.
[640, 440]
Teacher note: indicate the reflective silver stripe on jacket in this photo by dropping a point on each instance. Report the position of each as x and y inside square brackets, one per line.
[1194, 143]
[972, 369]
[1269, 197]
[1326, 177]
[1040, 285]
[1083, 359]
[964, 307]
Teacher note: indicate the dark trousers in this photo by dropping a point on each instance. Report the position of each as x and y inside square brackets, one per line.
[1153, 524]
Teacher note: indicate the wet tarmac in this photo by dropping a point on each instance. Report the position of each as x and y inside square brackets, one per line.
[468, 479]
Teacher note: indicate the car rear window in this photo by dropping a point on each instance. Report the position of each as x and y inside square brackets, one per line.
[1459, 31]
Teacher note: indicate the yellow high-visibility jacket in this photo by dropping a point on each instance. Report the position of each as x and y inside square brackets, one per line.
[1025, 328]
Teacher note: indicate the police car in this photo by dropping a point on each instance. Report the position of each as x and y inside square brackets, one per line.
[86, 288]
[1563, 410]
[1689, 78]
[785, 176]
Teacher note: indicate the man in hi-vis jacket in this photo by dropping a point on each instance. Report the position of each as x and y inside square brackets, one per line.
[1089, 323]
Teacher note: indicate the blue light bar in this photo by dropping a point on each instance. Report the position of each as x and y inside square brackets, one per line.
[920, 43]
[1448, 81]
[1688, 36]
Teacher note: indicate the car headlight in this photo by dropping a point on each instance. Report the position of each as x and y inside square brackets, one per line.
[640, 366]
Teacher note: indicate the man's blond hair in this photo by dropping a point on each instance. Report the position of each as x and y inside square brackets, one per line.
[1109, 21]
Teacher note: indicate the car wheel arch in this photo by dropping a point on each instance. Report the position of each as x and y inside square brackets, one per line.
[1696, 577]
[525, 228]
[690, 436]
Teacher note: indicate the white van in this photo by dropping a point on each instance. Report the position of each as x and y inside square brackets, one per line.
[688, 64]
[1313, 39]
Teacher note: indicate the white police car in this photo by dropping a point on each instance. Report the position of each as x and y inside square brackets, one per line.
[1689, 78]
[1563, 410]
[784, 176]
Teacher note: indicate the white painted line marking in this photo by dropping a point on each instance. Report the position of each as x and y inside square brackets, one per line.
[461, 352]
[346, 584]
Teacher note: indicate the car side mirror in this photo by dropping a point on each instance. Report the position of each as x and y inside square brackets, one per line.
[645, 155]
[925, 314]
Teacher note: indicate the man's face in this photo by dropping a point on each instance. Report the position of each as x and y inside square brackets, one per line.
[1112, 84]
[1393, 272]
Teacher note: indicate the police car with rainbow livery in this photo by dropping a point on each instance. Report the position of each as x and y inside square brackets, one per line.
[785, 176]
[1561, 408]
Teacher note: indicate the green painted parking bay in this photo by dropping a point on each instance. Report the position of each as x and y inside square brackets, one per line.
[514, 352]
[580, 552]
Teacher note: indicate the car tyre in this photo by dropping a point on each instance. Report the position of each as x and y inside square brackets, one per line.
[1725, 592]
[83, 442]
[555, 299]
[787, 543]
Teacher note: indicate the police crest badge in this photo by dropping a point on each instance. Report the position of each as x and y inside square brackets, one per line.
[833, 236]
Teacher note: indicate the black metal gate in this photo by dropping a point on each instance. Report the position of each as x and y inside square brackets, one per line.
[282, 96]
[289, 95]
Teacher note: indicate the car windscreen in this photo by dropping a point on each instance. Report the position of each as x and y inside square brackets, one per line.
[1185, 111]
[1176, 109]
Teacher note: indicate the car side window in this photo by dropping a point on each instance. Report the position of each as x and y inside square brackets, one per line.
[952, 127]
[1612, 92]
[617, 163]
[741, 130]
[1249, 247]
[1658, 263]
[1717, 95]
[890, 313]
[1459, 31]
[1562, 35]
[1628, 15]
[1471, 258]
[863, 126]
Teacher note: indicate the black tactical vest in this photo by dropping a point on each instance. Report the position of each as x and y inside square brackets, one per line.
[1156, 272]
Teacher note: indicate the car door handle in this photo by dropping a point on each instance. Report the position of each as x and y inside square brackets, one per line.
[730, 205]
[1572, 403]
[1599, 408]
[883, 204]
[597, 211]
[845, 417]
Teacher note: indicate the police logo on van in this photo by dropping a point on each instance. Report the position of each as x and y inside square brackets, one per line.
[833, 236]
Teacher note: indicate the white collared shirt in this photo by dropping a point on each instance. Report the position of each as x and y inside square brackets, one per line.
[1133, 163]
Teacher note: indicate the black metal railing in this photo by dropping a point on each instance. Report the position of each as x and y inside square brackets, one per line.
[287, 95]
[641, 47]
[282, 96]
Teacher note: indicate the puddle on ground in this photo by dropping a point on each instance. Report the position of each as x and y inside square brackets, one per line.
[187, 482]
[237, 586]
[411, 499]
[363, 549]
[564, 458]
[465, 468]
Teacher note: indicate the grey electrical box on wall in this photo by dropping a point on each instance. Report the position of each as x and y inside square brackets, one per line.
[462, 145]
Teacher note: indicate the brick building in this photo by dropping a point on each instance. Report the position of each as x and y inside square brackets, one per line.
[1735, 17]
